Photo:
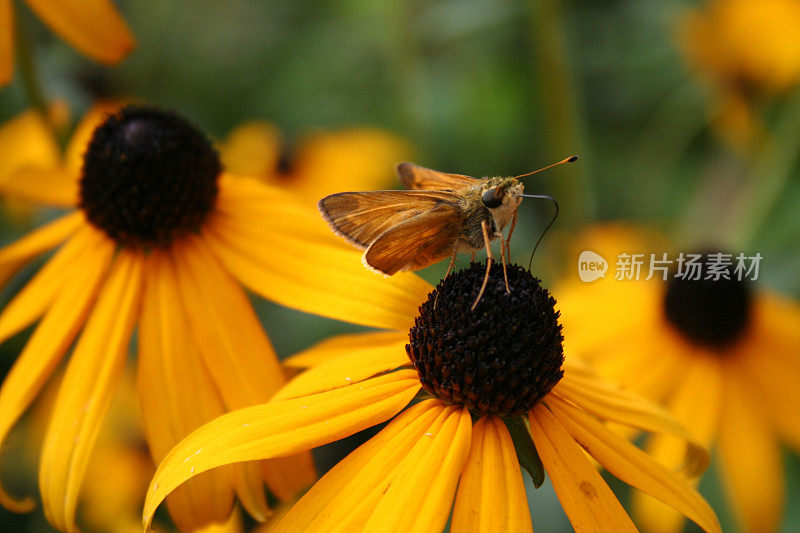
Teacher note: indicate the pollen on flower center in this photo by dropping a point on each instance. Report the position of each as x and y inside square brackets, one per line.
[148, 177]
[499, 359]
[709, 312]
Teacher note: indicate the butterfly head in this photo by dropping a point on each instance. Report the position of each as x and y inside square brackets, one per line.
[501, 196]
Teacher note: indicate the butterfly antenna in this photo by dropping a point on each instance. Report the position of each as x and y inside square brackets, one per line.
[549, 225]
[570, 159]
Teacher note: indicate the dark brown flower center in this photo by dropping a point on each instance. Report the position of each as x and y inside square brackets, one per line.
[149, 177]
[499, 359]
[713, 310]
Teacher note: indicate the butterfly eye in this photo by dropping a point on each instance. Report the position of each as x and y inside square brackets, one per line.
[491, 198]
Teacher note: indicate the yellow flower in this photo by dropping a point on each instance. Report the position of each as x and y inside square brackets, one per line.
[493, 383]
[92, 26]
[354, 159]
[110, 503]
[750, 50]
[163, 241]
[723, 358]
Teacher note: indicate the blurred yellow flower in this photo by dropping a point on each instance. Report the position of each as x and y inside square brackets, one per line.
[354, 159]
[750, 50]
[92, 26]
[724, 359]
[487, 396]
[162, 240]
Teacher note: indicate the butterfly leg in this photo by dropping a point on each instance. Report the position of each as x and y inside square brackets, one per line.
[472, 256]
[503, 260]
[449, 269]
[510, 233]
[489, 259]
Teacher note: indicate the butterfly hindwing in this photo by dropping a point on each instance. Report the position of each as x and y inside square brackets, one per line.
[417, 242]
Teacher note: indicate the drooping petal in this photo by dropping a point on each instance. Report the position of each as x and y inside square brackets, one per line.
[236, 350]
[615, 405]
[89, 383]
[38, 241]
[292, 258]
[632, 465]
[6, 42]
[771, 356]
[238, 355]
[92, 26]
[277, 429]
[177, 395]
[750, 450]
[588, 502]
[334, 347]
[30, 162]
[342, 370]
[491, 495]
[38, 293]
[695, 403]
[349, 491]
[425, 481]
[51, 339]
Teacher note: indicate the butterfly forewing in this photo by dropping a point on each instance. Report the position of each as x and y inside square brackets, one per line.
[419, 178]
[362, 217]
[417, 242]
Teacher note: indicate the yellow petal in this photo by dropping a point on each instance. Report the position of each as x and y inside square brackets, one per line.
[632, 465]
[285, 252]
[420, 494]
[696, 404]
[491, 495]
[614, 405]
[38, 241]
[50, 340]
[771, 356]
[354, 159]
[89, 383]
[252, 149]
[361, 363]
[331, 348]
[349, 491]
[177, 395]
[30, 162]
[6, 42]
[752, 463]
[588, 502]
[236, 350]
[277, 429]
[92, 26]
[37, 295]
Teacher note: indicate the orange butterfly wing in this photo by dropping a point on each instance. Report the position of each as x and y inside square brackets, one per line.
[415, 177]
[362, 217]
[417, 242]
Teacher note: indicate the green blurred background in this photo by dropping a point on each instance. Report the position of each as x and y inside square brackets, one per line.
[474, 87]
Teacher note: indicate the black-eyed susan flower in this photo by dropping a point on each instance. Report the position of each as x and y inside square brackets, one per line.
[721, 355]
[325, 162]
[162, 240]
[470, 396]
[94, 27]
[749, 50]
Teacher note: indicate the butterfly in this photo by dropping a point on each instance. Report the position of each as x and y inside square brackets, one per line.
[439, 215]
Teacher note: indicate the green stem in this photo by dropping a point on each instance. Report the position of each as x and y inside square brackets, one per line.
[560, 110]
[767, 179]
[28, 74]
[526, 450]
